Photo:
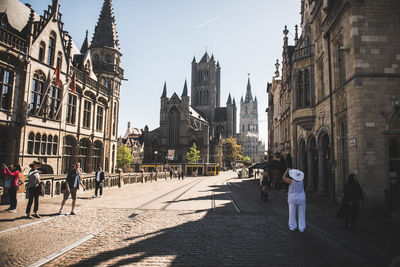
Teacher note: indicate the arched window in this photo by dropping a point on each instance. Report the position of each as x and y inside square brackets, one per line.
[49, 144]
[43, 145]
[303, 88]
[6, 85]
[55, 145]
[59, 59]
[340, 63]
[37, 143]
[97, 148]
[173, 126]
[71, 108]
[37, 94]
[31, 138]
[69, 151]
[42, 50]
[87, 110]
[51, 49]
[115, 119]
[84, 146]
[54, 101]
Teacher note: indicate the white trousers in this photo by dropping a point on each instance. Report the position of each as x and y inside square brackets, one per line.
[301, 213]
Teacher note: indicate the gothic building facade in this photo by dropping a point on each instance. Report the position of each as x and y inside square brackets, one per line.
[248, 128]
[335, 109]
[200, 120]
[58, 118]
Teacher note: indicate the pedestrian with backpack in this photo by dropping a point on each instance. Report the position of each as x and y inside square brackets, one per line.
[33, 189]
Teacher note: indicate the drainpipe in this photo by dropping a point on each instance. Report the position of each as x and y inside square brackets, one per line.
[331, 115]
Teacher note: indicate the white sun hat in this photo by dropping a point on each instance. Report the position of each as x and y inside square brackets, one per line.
[296, 175]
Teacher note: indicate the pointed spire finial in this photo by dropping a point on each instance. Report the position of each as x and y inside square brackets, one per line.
[229, 99]
[277, 65]
[212, 57]
[249, 96]
[85, 44]
[194, 60]
[185, 90]
[285, 31]
[234, 102]
[105, 32]
[164, 93]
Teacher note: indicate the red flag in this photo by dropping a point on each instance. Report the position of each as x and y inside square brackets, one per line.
[72, 85]
[57, 74]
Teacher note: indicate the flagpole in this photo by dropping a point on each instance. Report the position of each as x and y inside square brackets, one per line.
[62, 100]
[57, 70]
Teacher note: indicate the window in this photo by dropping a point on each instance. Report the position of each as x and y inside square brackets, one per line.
[43, 145]
[84, 145]
[107, 83]
[341, 71]
[114, 119]
[96, 57]
[37, 94]
[71, 108]
[321, 80]
[31, 140]
[303, 88]
[42, 50]
[51, 49]
[54, 102]
[49, 144]
[173, 125]
[55, 145]
[99, 120]
[108, 58]
[97, 154]
[87, 109]
[6, 85]
[59, 59]
[37, 143]
[68, 153]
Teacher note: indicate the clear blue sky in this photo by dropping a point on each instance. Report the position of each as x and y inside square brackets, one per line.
[158, 39]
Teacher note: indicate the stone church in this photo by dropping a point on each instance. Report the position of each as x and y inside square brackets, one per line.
[197, 119]
[248, 128]
[59, 123]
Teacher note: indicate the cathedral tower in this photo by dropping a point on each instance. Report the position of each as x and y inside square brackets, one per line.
[206, 86]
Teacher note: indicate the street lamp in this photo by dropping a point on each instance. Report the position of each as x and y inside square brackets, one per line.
[155, 155]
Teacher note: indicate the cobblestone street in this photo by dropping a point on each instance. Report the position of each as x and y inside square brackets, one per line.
[207, 221]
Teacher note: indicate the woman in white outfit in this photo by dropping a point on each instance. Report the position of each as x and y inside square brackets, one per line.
[296, 199]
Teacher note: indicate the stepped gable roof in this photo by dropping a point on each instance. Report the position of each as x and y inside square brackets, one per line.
[221, 114]
[105, 32]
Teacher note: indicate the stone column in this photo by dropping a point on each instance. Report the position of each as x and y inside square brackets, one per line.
[310, 167]
[322, 185]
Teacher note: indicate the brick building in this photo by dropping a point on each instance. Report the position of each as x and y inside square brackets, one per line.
[340, 82]
[50, 122]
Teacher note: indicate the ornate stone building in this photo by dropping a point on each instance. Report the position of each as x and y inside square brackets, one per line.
[248, 128]
[75, 120]
[202, 121]
[343, 88]
[132, 140]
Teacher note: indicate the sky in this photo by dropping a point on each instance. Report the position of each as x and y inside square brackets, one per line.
[158, 39]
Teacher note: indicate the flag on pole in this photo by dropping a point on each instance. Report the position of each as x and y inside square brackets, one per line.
[57, 74]
[72, 85]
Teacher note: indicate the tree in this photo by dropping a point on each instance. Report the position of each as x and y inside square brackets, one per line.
[124, 156]
[246, 160]
[193, 156]
[232, 151]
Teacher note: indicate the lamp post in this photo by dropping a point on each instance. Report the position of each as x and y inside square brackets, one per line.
[155, 155]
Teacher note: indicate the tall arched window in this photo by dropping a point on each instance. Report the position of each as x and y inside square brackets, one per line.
[31, 139]
[37, 143]
[43, 145]
[84, 146]
[37, 94]
[49, 144]
[97, 148]
[42, 50]
[55, 145]
[6, 88]
[51, 49]
[173, 126]
[340, 63]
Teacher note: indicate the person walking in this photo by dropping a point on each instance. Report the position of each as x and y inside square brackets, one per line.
[170, 173]
[33, 189]
[296, 199]
[351, 201]
[72, 183]
[13, 185]
[99, 181]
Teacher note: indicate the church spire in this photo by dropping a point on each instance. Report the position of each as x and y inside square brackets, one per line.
[249, 96]
[229, 99]
[85, 45]
[164, 93]
[185, 90]
[105, 33]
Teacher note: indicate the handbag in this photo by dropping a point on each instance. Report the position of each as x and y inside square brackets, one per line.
[40, 188]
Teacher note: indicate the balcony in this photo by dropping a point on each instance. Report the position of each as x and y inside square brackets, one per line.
[303, 53]
[108, 67]
[12, 41]
[304, 117]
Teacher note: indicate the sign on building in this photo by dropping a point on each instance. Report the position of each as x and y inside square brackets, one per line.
[171, 154]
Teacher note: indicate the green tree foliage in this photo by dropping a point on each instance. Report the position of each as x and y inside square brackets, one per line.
[232, 151]
[246, 160]
[124, 156]
[193, 156]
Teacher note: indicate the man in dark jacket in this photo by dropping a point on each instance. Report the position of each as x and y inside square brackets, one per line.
[99, 178]
[74, 179]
